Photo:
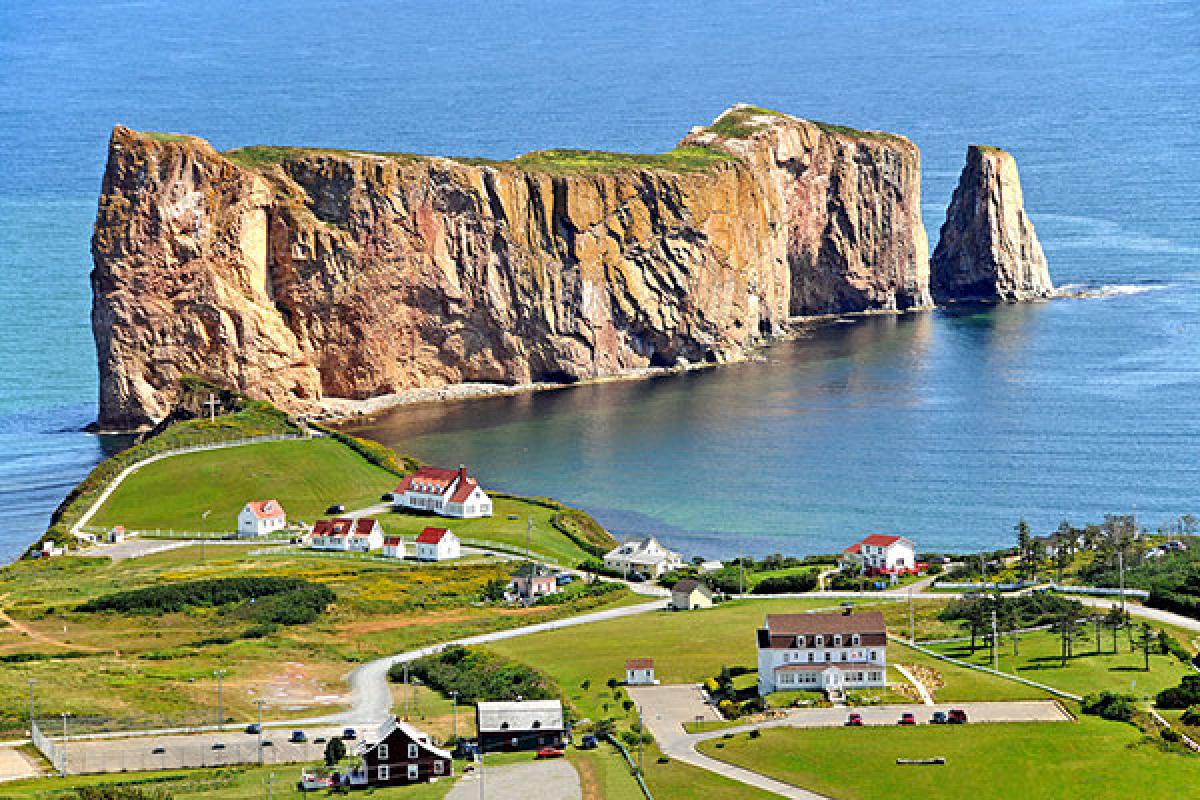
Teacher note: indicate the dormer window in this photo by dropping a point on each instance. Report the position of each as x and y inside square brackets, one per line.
[837, 640]
[820, 641]
[537, 723]
[856, 640]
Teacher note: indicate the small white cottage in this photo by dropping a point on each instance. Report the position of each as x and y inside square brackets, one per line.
[260, 517]
[640, 672]
[437, 544]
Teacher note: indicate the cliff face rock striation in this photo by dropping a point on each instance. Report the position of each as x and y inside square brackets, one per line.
[296, 274]
[987, 250]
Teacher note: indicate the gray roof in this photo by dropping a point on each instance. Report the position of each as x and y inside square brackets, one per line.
[520, 715]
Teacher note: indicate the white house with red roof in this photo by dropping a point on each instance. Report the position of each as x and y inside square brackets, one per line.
[394, 547]
[448, 492]
[880, 554]
[260, 517]
[437, 544]
[343, 534]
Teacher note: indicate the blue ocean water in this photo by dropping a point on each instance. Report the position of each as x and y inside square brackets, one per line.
[947, 426]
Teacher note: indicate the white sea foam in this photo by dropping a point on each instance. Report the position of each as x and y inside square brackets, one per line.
[1083, 291]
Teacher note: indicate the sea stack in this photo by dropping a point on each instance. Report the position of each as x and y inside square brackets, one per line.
[988, 251]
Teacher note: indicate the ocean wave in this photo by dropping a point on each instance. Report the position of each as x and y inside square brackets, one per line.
[1084, 291]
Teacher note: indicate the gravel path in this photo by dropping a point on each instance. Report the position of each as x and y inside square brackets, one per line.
[552, 780]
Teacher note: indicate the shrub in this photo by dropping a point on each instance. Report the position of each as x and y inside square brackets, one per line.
[1169, 734]
[728, 709]
[754, 734]
[1191, 716]
[477, 675]
[374, 452]
[579, 592]
[786, 584]
[1109, 705]
[111, 792]
[1186, 694]
[335, 750]
[260, 631]
[203, 593]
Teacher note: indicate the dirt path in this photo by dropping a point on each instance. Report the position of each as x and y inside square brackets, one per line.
[41, 637]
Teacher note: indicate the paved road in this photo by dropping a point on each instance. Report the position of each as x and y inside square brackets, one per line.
[552, 780]
[15, 765]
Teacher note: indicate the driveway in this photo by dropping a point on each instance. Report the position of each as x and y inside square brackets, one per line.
[15, 765]
[555, 780]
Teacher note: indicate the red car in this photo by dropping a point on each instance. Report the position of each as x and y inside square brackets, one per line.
[957, 716]
[907, 719]
[550, 752]
[854, 720]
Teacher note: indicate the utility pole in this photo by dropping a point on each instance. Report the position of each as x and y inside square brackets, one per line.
[912, 622]
[63, 770]
[259, 703]
[454, 712]
[1121, 570]
[31, 707]
[406, 691]
[220, 711]
[995, 649]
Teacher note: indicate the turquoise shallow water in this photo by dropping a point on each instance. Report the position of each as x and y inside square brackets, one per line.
[946, 426]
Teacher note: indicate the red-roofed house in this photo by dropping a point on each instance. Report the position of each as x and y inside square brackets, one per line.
[360, 535]
[881, 554]
[448, 492]
[393, 547]
[260, 517]
[437, 544]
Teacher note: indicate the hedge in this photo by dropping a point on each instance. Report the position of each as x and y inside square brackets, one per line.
[265, 600]
[477, 675]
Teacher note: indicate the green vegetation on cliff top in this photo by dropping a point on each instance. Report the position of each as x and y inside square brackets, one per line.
[742, 121]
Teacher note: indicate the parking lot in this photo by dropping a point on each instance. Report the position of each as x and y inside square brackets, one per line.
[211, 749]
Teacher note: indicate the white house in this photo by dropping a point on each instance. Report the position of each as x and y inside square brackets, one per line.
[705, 567]
[360, 535]
[115, 535]
[393, 547]
[640, 672]
[448, 492]
[643, 555]
[437, 544]
[822, 652]
[879, 554]
[260, 517]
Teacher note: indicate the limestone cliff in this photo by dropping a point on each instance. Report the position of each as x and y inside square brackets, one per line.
[298, 275]
[988, 250]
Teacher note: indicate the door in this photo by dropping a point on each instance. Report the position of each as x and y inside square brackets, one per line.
[412, 772]
[833, 679]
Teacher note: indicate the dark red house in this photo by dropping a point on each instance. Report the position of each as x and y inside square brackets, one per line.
[403, 754]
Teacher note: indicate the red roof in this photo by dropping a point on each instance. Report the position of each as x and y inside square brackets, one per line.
[881, 540]
[428, 480]
[364, 525]
[854, 548]
[639, 663]
[463, 490]
[265, 509]
[344, 526]
[392, 541]
[432, 535]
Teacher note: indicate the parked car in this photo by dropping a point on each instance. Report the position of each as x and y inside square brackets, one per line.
[297, 737]
[938, 718]
[349, 734]
[637, 577]
[907, 718]
[564, 578]
[854, 720]
[254, 727]
[337, 508]
[218, 746]
[158, 751]
[386, 497]
[319, 740]
[957, 717]
[588, 742]
[550, 752]
[268, 743]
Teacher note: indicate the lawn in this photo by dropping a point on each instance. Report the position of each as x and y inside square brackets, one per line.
[959, 684]
[204, 491]
[1088, 671]
[1091, 758]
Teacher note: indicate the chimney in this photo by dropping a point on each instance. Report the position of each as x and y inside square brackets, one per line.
[462, 472]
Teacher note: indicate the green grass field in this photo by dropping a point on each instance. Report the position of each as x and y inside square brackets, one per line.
[205, 491]
[1088, 671]
[1091, 758]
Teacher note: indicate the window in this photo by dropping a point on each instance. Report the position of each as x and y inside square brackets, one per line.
[820, 641]
[383, 772]
[412, 750]
[811, 656]
[844, 658]
[828, 656]
[856, 640]
[837, 640]
[413, 773]
[383, 755]
[439, 767]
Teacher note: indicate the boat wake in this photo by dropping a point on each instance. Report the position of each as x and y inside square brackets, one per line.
[1082, 291]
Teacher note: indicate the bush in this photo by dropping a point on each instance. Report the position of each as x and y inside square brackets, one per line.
[335, 751]
[754, 734]
[786, 584]
[1185, 695]
[579, 592]
[477, 675]
[204, 594]
[111, 792]
[1168, 734]
[374, 452]
[260, 631]
[1172, 646]
[587, 534]
[1110, 705]
[1191, 716]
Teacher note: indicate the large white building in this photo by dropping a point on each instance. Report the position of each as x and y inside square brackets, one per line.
[879, 554]
[822, 652]
[643, 555]
[448, 492]
[260, 517]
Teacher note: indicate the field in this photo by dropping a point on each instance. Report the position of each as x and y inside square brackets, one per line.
[1090, 758]
[158, 670]
[1088, 671]
[204, 491]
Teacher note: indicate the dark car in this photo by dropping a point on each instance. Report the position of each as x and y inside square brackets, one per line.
[158, 751]
[907, 718]
[854, 720]
[350, 734]
[268, 743]
[386, 497]
[297, 737]
[564, 579]
[218, 745]
[337, 508]
[938, 718]
[637, 577]
[588, 742]
[957, 716]
[319, 740]
[254, 727]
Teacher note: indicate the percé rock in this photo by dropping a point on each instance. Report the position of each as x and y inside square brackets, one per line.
[988, 250]
[299, 274]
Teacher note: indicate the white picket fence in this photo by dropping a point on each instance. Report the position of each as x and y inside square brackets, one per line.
[48, 747]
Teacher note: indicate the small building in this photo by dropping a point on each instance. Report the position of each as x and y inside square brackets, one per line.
[437, 544]
[393, 547]
[644, 555]
[531, 581]
[689, 594]
[705, 567]
[260, 517]
[402, 754]
[640, 672]
[49, 550]
[519, 725]
[115, 535]
[822, 652]
[880, 554]
[360, 535]
[447, 492]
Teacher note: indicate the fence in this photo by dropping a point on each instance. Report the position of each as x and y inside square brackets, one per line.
[633, 768]
[1188, 741]
[47, 747]
[1010, 587]
[1102, 591]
